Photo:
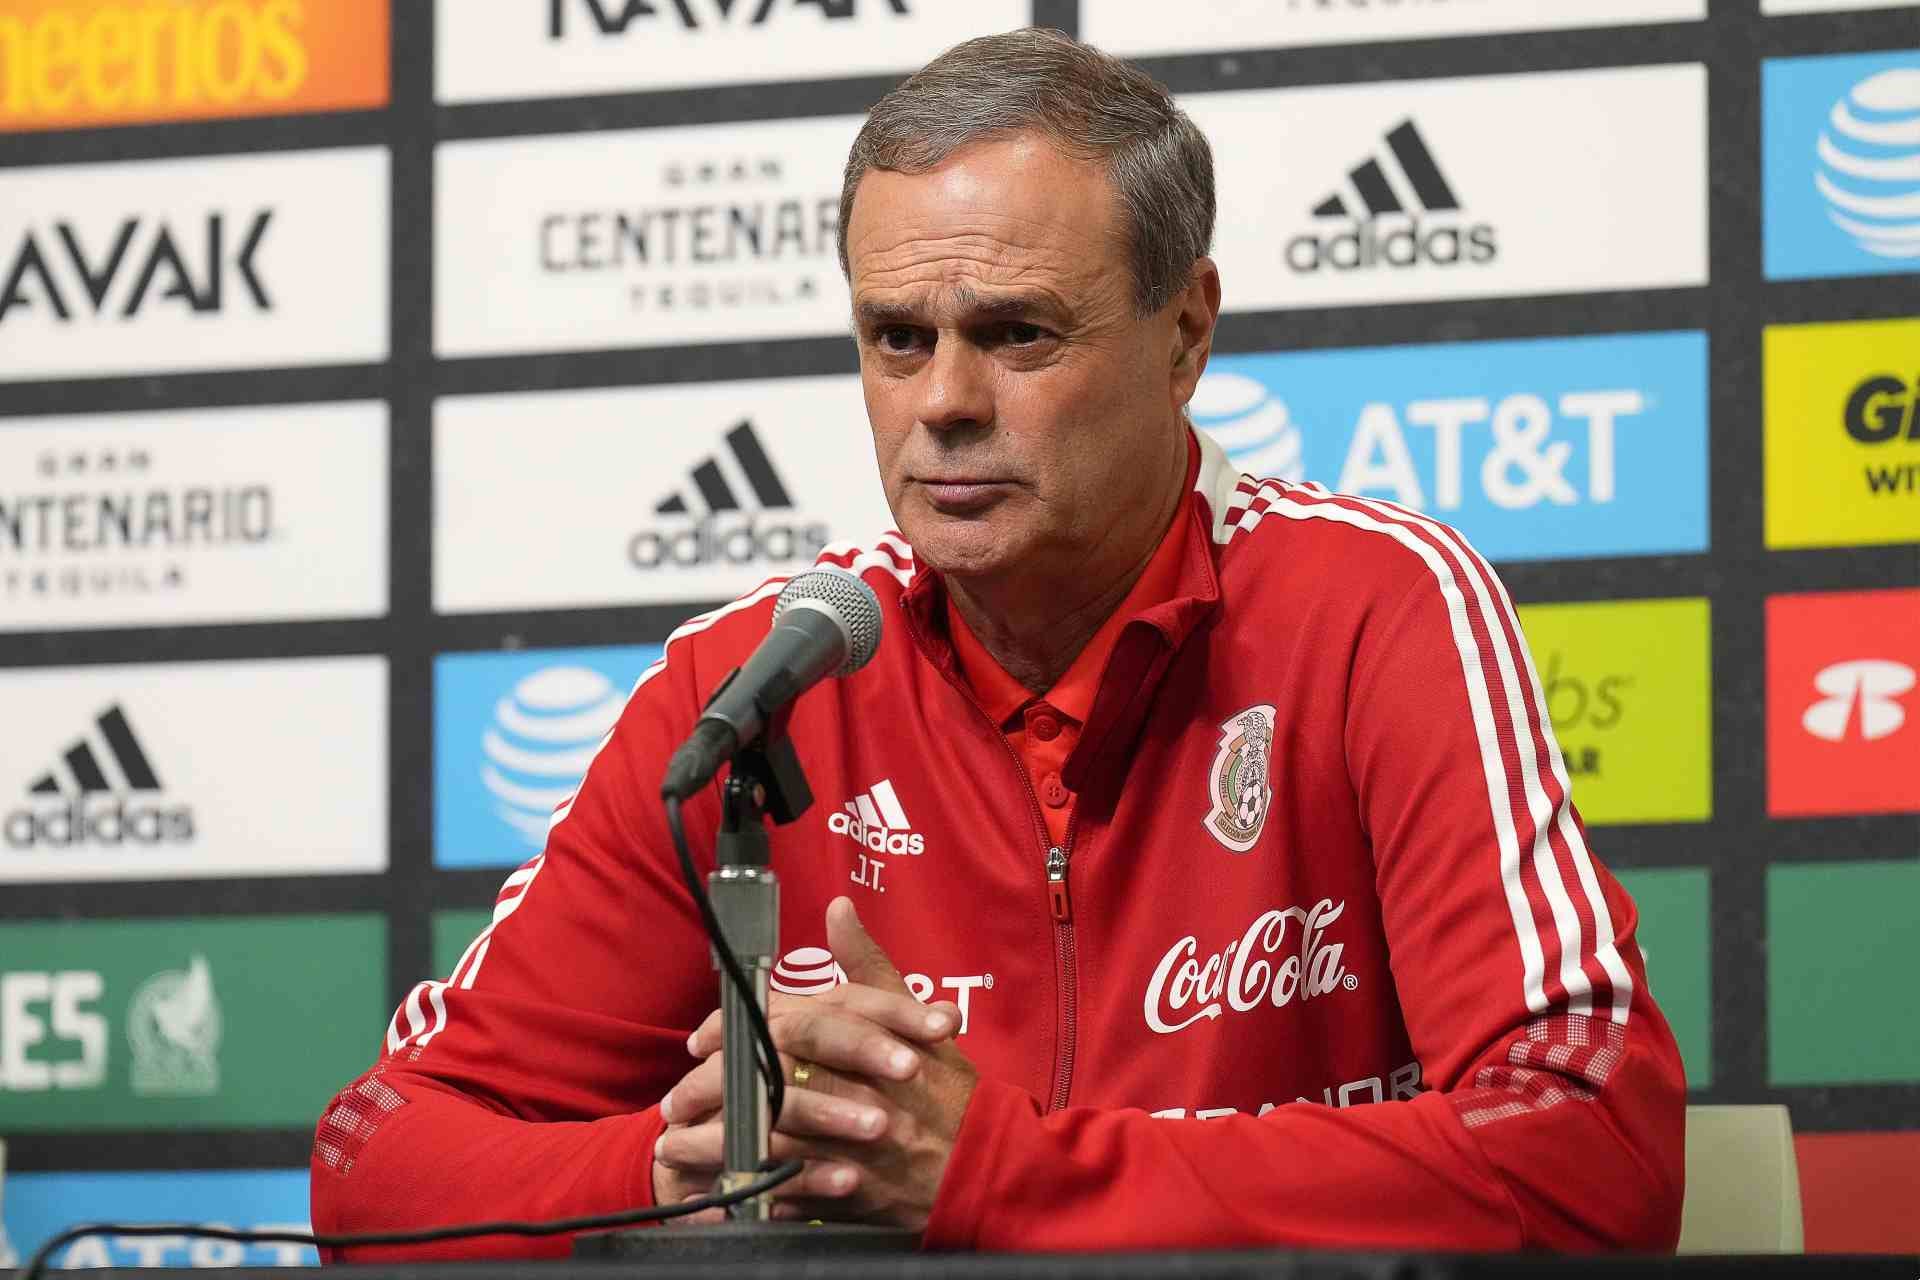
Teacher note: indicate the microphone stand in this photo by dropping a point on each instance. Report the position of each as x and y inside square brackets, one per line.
[766, 781]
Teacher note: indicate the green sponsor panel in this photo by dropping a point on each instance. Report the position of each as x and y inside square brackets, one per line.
[201, 1023]
[452, 931]
[1673, 936]
[1842, 951]
[1629, 689]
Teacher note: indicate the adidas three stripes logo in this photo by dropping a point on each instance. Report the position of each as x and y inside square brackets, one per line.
[1372, 184]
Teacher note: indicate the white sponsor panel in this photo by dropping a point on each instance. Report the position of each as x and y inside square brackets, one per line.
[640, 237]
[1832, 6]
[1129, 27]
[1492, 186]
[228, 262]
[642, 495]
[196, 769]
[545, 48]
[269, 512]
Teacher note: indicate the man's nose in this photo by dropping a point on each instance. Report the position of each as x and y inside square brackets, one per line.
[956, 386]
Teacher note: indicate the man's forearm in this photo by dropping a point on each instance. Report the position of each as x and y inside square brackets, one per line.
[399, 1153]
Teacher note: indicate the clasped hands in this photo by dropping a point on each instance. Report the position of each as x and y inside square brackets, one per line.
[876, 1120]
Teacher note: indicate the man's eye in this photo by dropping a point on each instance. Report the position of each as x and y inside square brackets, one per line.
[1021, 335]
[896, 338]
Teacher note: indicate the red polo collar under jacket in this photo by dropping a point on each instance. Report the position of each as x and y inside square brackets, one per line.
[1045, 728]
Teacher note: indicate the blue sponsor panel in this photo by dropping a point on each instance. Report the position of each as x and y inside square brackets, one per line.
[1537, 449]
[1840, 165]
[40, 1205]
[512, 735]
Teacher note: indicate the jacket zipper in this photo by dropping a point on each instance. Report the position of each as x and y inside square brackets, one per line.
[1060, 907]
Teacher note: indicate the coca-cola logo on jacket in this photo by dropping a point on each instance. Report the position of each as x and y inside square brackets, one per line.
[1283, 956]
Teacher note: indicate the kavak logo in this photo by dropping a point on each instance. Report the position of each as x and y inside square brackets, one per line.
[513, 735]
[173, 1027]
[31, 280]
[1628, 690]
[144, 772]
[224, 262]
[1534, 449]
[1381, 228]
[643, 237]
[542, 48]
[195, 1023]
[1840, 175]
[1239, 782]
[1263, 967]
[1842, 433]
[76, 804]
[72, 63]
[719, 535]
[194, 516]
[1129, 28]
[535, 492]
[1841, 670]
[1482, 187]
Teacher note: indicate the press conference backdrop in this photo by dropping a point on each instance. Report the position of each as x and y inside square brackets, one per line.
[380, 387]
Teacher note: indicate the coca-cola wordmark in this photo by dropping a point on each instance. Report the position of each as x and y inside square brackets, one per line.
[1314, 969]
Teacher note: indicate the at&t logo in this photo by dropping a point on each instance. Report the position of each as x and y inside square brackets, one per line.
[810, 971]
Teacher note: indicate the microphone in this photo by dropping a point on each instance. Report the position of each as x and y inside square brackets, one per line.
[825, 623]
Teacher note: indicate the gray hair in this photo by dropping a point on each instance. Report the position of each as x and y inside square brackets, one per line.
[1090, 105]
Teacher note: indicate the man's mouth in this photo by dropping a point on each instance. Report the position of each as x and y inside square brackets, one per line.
[957, 495]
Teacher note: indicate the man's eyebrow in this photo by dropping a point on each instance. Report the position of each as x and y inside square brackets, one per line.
[974, 306]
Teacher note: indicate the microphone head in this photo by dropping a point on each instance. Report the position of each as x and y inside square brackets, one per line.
[844, 598]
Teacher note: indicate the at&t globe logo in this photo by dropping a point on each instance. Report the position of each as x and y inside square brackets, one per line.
[543, 735]
[1251, 424]
[1869, 170]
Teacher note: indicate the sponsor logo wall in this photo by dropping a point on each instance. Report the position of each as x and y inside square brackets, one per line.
[71, 63]
[39, 1205]
[536, 504]
[183, 1024]
[259, 768]
[1483, 187]
[375, 402]
[1538, 449]
[513, 735]
[220, 263]
[1121, 26]
[1841, 164]
[198, 515]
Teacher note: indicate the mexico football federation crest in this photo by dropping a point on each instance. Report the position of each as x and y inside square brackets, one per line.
[1239, 785]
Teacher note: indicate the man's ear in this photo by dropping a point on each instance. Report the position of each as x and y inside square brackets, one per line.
[1196, 309]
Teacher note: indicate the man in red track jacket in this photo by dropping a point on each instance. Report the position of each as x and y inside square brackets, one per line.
[1216, 873]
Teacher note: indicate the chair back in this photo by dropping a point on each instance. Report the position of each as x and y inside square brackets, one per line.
[1743, 1183]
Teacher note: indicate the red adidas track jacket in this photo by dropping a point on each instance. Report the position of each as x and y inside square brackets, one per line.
[1333, 965]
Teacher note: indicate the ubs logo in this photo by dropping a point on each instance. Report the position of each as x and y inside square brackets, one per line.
[1577, 706]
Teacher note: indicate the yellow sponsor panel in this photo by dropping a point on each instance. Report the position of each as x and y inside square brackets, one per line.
[77, 63]
[1843, 433]
[1629, 689]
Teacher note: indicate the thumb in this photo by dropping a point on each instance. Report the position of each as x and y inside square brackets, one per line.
[856, 950]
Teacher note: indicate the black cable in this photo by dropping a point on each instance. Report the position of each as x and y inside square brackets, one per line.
[36, 1265]
[766, 1055]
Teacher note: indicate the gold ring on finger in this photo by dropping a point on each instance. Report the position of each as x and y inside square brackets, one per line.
[802, 1072]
